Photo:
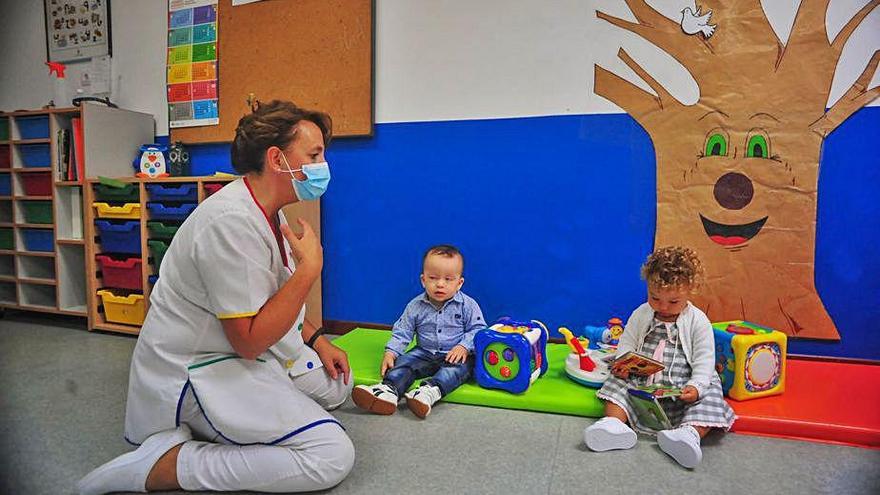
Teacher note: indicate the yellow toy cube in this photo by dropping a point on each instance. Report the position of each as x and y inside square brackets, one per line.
[750, 359]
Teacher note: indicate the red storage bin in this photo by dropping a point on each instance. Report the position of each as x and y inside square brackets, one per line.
[121, 274]
[211, 188]
[5, 155]
[37, 184]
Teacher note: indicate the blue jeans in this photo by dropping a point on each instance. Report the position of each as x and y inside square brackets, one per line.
[419, 363]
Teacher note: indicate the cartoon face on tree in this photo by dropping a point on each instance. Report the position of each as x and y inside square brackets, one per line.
[737, 172]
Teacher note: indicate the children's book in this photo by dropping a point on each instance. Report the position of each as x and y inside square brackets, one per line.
[639, 364]
[648, 409]
[660, 391]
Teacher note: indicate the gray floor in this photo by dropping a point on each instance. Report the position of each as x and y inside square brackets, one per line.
[63, 396]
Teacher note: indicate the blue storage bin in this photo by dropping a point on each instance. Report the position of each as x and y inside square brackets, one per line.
[39, 239]
[5, 185]
[158, 211]
[124, 237]
[35, 155]
[180, 192]
[36, 127]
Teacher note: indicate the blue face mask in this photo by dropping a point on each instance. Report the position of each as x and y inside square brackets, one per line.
[317, 179]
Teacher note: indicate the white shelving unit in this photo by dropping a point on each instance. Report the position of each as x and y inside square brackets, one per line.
[55, 280]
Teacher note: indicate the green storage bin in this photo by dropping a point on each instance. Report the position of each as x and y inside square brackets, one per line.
[126, 194]
[159, 230]
[158, 248]
[7, 240]
[4, 128]
[37, 211]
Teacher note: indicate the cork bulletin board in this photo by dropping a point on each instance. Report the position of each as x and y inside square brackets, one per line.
[316, 53]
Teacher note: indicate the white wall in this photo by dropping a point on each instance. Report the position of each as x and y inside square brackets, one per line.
[435, 59]
[138, 30]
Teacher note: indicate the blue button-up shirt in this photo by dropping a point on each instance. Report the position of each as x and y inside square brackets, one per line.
[438, 330]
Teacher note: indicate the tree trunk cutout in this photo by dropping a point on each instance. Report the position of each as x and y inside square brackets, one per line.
[737, 172]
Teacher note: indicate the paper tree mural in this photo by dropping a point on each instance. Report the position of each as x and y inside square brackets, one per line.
[737, 172]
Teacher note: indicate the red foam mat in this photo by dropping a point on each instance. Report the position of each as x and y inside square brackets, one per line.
[824, 401]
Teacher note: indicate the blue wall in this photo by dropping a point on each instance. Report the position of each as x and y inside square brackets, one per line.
[554, 216]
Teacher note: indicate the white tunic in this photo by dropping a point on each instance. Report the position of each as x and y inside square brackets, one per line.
[224, 262]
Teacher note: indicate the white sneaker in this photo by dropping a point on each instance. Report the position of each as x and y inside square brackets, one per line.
[128, 472]
[421, 399]
[682, 444]
[609, 434]
[378, 399]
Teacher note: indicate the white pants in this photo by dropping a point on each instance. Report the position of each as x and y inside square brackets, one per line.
[314, 459]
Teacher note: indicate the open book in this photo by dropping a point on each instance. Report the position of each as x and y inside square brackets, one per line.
[639, 364]
[646, 403]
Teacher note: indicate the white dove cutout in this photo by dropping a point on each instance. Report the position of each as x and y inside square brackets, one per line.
[695, 22]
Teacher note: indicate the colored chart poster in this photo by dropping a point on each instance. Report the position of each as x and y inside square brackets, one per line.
[192, 63]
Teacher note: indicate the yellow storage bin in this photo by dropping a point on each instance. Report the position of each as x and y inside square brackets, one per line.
[127, 211]
[123, 309]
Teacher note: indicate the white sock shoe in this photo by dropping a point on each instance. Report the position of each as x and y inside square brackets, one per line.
[128, 472]
[609, 434]
[682, 444]
[378, 399]
[421, 399]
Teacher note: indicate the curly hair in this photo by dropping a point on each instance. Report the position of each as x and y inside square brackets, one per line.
[673, 266]
[271, 124]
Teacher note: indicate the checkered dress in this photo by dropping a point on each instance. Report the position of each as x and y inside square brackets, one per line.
[710, 410]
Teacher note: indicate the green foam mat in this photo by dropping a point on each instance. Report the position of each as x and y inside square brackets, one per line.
[554, 392]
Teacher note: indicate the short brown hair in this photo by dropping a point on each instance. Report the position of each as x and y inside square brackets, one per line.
[673, 266]
[271, 124]
[447, 250]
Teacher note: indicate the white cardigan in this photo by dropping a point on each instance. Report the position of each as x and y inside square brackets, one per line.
[697, 340]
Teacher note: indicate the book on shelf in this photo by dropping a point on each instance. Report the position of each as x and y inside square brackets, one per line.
[62, 153]
[78, 150]
[638, 364]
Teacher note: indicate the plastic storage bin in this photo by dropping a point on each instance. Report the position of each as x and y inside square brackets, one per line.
[179, 192]
[35, 155]
[160, 230]
[39, 240]
[126, 211]
[5, 185]
[37, 184]
[212, 188]
[121, 274]
[35, 127]
[122, 237]
[129, 309]
[37, 211]
[7, 239]
[158, 211]
[127, 194]
[158, 249]
[5, 156]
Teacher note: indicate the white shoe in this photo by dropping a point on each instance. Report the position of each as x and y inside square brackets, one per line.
[609, 434]
[128, 472]
[682, 444]
[421, 399]
[379, 398]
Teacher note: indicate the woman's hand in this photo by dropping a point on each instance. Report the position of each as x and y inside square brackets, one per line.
[689, 394]
[457, 355]
[387, 362]
[305, 248]
[335, 359]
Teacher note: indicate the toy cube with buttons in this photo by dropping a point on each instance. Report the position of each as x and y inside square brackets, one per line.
[750, 359]
[510, 355]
